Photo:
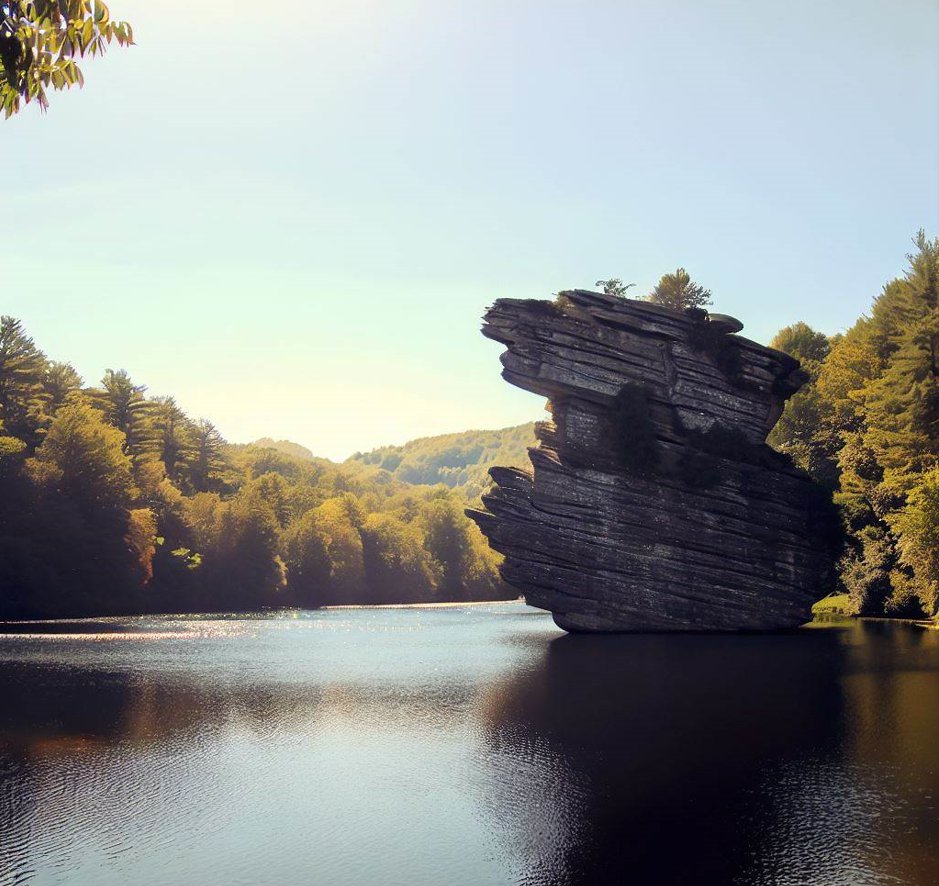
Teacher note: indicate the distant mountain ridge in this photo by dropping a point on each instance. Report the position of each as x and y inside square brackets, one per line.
[287, 447]
[460, 460]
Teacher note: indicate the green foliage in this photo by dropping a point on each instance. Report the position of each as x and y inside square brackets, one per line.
[460, 461]
[679, 292]
[40, 41]
[10, 446]
[614, 286]
[85, 460]
[126, 408]
[173, 438]
[867, 425]
[802, 342]
[397, 561]
[796, 432]
[917, 530]
[243, 563]
[833, 605]
[465, 562]
[72, 541]
[22, 369]
[113, 502]
[308, 562]
[61, 382]
[208, 464]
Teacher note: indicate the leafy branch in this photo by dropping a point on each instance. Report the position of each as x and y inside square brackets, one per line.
[40, 41]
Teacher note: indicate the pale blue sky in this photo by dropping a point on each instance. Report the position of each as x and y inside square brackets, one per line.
[294, 223]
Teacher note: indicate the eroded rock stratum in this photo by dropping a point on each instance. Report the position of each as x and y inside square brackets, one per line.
[653, 502]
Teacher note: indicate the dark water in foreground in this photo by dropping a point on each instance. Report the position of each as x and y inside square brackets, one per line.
[465, 746]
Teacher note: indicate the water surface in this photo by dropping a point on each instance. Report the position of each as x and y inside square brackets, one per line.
[473, 745]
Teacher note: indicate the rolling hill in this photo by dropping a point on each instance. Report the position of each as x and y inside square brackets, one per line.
[460, 461]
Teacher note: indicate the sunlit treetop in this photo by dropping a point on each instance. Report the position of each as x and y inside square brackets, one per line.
[40, 42]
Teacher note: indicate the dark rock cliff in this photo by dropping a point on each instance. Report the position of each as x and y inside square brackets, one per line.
[653, 503]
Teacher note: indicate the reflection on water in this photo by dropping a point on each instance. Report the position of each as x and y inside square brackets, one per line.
[472, 745]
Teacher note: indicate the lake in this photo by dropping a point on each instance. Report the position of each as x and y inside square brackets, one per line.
[466, 745]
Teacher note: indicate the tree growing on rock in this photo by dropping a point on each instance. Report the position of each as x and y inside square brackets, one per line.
[614, 286]
[679, 292]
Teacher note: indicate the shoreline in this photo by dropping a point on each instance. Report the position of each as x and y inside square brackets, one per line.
[456, 605]
[90, 619]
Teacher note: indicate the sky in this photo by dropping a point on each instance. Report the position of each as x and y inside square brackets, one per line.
[292, 217]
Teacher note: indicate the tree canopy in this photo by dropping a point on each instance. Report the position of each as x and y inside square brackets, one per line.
[802, 342]
[867, 426]
[112, 501]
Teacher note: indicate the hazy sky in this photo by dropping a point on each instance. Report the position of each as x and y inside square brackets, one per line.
[293, 221]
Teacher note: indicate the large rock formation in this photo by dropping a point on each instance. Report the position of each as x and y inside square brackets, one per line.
[653, 503]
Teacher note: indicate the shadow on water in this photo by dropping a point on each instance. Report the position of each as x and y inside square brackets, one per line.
[372, 751]
[681, 759]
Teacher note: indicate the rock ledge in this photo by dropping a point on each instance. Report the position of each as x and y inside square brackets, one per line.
[653, 502]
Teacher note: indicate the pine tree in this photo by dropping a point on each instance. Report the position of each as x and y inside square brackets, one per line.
[679, 292]
[173, 438]
[126, 408]
[207, 462]
[22, 369]
[60, 383]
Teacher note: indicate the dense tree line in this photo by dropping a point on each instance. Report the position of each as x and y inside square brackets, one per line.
[113, 501]
[867, 426]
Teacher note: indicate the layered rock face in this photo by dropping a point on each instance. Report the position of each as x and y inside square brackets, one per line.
[653, 503]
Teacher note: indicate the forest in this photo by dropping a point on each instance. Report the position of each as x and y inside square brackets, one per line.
[866, 426]
[116, 502]
[113, 501]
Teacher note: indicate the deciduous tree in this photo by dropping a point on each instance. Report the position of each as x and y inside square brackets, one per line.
[41, 40]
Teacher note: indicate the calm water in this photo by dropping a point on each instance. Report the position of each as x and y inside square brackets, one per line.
[465, 746]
